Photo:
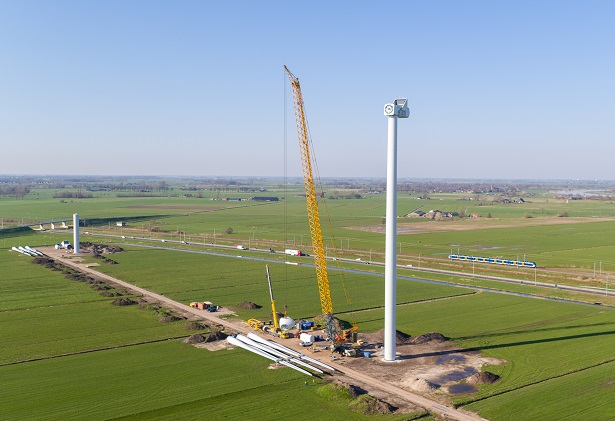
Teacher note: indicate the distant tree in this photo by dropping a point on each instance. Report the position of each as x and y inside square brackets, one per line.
[229, 230]
[21, 191]
[489, 215]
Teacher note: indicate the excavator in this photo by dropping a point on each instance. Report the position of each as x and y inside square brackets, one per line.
[314, 218]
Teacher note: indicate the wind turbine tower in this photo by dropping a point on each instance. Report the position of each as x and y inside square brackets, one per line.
[398, 109]
[76, 233]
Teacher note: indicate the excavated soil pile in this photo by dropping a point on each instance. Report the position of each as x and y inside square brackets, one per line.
[196, 325]
[97, 249]
[194, 339]
[44, 261]
[378, 337]
[248, 305]
[428, 337]
[423, 385]
[484, 377]
[123, 302]
[216, 336]
[353, 390]
[368, 405]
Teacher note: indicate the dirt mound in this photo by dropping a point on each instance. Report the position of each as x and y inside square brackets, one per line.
[45, 261]
[484, 377]
[194, 339]
[98, 249]
[428, 337]
[353, 390]
[423, 385]
[378, 337]
[123, 302]
[218, 335]
[196, 325]
[248, 305]
[368, 405]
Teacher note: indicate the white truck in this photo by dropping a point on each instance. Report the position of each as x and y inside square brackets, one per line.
[64, 245]
[293, 252]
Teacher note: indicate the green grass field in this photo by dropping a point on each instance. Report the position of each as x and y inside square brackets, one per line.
[166, 380]
[228, 281]
[114, 362]
[523, 331]
[528, 227]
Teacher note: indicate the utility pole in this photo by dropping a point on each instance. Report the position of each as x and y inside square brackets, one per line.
[398, 109]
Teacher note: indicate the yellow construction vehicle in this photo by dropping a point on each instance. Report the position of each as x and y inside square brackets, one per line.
[256, 324]
[276, 325]
[264, 327]
[312, 210]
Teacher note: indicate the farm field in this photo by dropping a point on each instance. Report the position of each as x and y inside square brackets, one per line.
[228, 281]
[535, 229]
[523, 331]
[88, 356]
[166, 380]
[136, 367]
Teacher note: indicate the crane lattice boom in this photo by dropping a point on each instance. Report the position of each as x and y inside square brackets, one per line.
[312, 207]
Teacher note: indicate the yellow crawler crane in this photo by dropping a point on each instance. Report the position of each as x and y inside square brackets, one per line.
[312, 209]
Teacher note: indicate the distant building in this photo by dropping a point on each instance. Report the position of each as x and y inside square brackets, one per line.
[432, 214]
[416, 214]
[264, 199]
[120, 223]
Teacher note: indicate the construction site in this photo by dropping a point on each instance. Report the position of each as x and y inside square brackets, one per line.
[401, 373]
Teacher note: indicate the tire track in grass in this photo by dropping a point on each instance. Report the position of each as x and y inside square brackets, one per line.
[89, 351]
[559, 376]
[409, 303]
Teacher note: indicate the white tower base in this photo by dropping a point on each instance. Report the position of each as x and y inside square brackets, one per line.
[76, 233]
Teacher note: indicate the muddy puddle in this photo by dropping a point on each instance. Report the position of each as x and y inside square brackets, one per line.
[461, 388]
[455, 376]
[453, 359]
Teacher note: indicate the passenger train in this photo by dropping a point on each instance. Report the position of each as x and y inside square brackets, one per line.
[492, 260]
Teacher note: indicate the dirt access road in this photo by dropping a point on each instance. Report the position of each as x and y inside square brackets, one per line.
[374, 386]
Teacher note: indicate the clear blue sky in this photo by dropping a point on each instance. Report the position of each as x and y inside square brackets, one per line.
[497, 89]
